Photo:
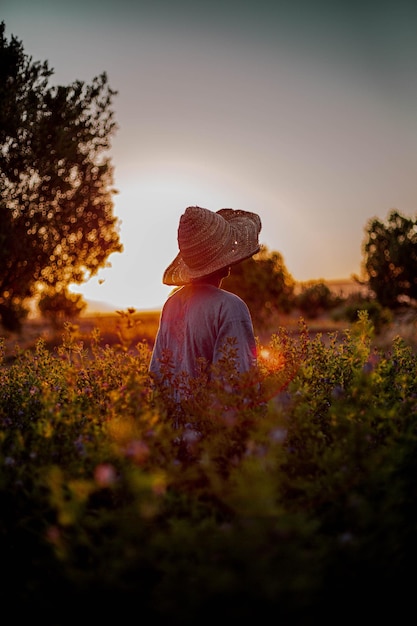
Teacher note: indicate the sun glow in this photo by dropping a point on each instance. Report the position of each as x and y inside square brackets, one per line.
[272, 360]
[277, 367]
[148, 207]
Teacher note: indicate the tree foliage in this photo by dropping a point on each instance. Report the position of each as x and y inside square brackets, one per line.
[61, 306]
[264, 283]
[56, 198]
[390, 259]
[315, 298]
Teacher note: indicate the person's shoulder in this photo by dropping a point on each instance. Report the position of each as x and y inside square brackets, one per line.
[173, 300]
[176, 294]
[231, 297]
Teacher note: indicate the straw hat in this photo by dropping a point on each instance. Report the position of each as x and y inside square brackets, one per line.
[209, 241]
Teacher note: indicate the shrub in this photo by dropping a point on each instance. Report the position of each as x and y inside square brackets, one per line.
[296, 502]
[62, 306]
[354, 305]
[315, 298]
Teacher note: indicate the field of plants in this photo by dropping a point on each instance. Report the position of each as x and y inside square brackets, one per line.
[295, 501]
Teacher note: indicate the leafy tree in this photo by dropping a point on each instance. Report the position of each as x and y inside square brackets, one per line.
[56, 198]
[61, 306]
[390, 259]
[264, 283]
[315, 298]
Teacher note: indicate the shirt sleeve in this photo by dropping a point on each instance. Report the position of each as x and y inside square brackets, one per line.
[238, 327]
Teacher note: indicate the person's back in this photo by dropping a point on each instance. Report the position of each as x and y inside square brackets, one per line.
[196, 323]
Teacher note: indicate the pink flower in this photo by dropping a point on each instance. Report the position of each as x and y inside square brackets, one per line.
[138, 451]
[105, 475]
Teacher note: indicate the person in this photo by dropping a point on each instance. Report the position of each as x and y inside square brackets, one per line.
[199, 319]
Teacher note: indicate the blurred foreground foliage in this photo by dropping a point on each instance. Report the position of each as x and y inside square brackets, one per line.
[305, 511]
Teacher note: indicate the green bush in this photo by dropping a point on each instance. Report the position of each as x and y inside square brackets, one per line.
[296, 500]
[355, 304]
[61, 306]
[315, 298]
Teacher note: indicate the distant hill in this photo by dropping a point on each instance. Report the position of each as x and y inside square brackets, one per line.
[96, 307]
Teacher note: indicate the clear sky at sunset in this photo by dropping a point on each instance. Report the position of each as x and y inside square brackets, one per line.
[302, 111]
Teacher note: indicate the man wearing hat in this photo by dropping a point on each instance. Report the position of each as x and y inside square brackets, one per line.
[198, 319]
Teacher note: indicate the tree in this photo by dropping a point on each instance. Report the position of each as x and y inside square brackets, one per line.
[61, 306]
[390, 259]
[315, 298]
[264, 283]
[56, 198]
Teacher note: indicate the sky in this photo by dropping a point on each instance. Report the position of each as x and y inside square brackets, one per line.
[302, 111]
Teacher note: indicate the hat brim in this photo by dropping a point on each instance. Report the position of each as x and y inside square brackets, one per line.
[246, 227]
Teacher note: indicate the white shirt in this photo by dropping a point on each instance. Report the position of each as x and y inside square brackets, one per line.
[196, 322]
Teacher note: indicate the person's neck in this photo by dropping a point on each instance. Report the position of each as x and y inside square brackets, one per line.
[210, 280]
[216, 282]
[215, 278]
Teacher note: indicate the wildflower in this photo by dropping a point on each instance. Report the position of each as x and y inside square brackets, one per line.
[337, 392]
[138, 451]
[278, 435]
[53, 534]
[191, 435]
[79, 446]
[105, 475]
